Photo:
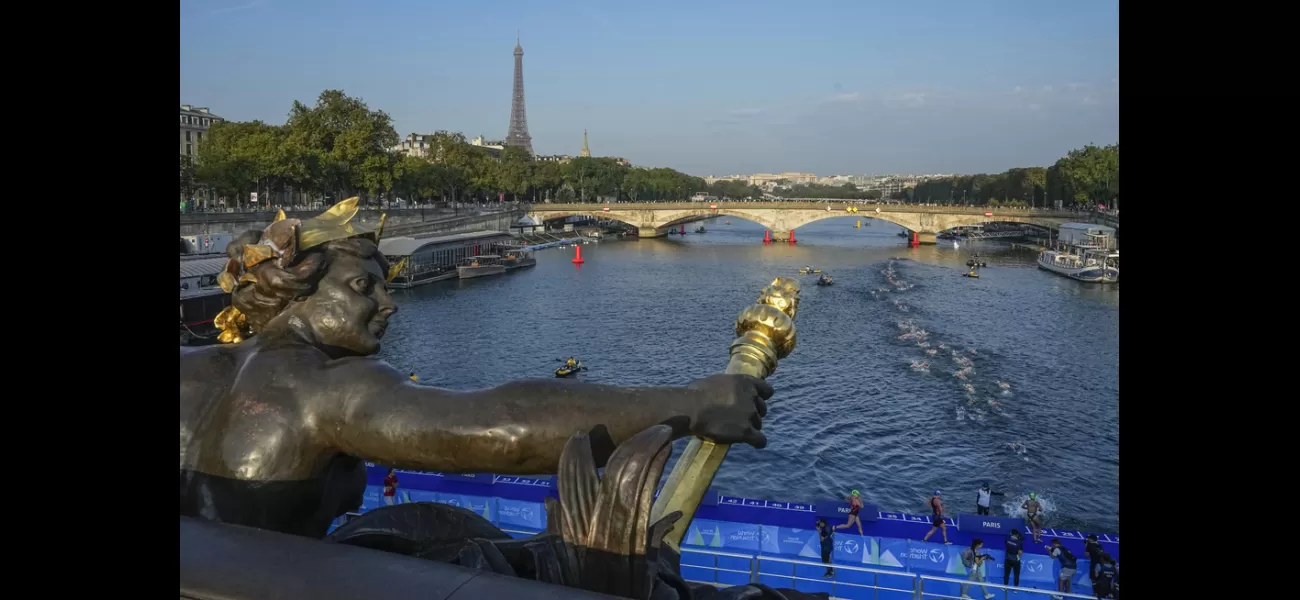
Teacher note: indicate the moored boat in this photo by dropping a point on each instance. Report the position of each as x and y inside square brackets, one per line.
[480, 266]
[1093, 265]
[518, 259]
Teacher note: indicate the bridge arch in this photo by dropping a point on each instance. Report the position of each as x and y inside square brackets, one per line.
[594, 214]
[702, 214]
[656, 219]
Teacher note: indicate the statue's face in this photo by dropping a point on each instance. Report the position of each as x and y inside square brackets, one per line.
[351, 306]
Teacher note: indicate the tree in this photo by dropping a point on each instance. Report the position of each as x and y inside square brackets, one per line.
[349, 144]
[515, 172]
[188, 184]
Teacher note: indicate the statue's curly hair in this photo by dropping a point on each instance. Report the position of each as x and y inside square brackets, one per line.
[275, 288]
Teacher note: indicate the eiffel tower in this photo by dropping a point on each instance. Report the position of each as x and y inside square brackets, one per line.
[518, 134]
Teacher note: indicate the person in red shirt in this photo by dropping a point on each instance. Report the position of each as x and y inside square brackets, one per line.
[855, 505]
[390, 487]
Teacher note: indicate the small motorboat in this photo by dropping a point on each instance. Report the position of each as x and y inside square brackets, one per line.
[701, 229]
[566, 370]
[971, 274]
[727, 223]
[809, 270]
[974, 262]
[825, 280]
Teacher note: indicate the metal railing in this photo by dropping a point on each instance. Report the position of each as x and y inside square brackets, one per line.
[974, 586]
[834, 582]
[912, 584]
[751, 572]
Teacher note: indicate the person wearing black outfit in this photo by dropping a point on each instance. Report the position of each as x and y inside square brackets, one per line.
[1106, 573]
[1015, 547]
[1092, 549]
[827, 535]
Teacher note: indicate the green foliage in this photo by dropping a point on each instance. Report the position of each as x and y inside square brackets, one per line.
[846, 191]
[1087, 175]
[188, 184]
[341, 147]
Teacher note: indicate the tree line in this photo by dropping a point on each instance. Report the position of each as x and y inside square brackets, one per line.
[341, 147]
[1085, 176]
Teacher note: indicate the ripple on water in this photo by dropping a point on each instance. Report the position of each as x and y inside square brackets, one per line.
[850, 412]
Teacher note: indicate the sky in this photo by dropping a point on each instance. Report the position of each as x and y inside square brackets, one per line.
[714, 87]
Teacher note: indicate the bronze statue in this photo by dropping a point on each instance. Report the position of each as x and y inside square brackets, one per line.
[276, 424]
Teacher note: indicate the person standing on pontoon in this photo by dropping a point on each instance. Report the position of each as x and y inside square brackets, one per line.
[936, 521]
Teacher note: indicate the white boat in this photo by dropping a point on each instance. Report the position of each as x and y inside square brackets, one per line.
[480, 266]
[1094, 265]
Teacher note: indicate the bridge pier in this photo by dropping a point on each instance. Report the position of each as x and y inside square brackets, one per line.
[926, 238]
[651, 232]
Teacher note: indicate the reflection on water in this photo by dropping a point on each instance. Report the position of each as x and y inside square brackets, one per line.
[1036, 407]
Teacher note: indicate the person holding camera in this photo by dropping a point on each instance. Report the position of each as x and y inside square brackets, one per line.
[1068, 564]
[974, 561]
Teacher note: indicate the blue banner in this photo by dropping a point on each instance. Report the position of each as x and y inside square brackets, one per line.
[483, 478]
[1037, 568]
[373, 498]
[485, 507]
[740, 536]
[931, 558]
[792, 541]
[856, 549]
[519, 514]
[988, 524]
[703, 533]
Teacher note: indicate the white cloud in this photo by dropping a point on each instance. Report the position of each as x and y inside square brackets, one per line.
[913, 98]
[1017, 90]
[745, 112]
[1048, 88]
[845, 97]
[1074, 86]
[1089, 99]
[1035, 106]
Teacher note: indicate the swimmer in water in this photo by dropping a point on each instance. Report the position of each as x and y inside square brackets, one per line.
[936, 520]
[1033, 516]
[855, 505]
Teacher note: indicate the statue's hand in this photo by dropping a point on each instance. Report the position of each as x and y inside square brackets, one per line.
[731, 409]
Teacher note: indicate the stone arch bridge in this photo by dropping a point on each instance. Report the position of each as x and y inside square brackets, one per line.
[654, 219]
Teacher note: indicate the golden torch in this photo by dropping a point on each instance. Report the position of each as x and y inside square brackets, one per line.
[765, 334]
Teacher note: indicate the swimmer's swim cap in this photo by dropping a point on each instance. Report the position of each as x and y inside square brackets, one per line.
[937, 492]
[1032, 495]
[854, 492]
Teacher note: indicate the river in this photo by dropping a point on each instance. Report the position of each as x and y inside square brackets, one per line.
[853, 408]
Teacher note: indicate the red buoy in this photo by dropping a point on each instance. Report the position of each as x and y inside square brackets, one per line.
[792, 240]
[767, 236]
[577, 255]
[915, 241]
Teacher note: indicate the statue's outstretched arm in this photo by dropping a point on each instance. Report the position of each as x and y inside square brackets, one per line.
[522, 427]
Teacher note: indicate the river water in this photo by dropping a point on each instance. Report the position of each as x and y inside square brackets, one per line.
[1036, 408]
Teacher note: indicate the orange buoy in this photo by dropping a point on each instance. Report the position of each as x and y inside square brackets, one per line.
[577, 255]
